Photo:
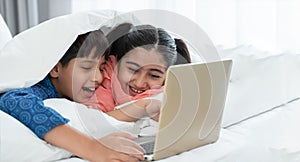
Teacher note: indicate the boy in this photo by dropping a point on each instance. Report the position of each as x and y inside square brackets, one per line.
[75, 77]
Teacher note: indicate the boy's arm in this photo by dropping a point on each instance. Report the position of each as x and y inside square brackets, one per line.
[29, 109]
[137, 110]
[24, 106]
[114, 147]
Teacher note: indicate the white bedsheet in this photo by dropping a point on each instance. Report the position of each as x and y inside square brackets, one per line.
[269, 137]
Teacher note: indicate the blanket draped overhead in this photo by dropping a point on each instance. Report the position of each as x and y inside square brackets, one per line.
[30, 55]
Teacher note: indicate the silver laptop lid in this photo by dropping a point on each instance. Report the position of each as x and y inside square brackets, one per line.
[192, 108]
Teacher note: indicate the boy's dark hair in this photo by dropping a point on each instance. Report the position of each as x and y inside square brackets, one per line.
[83, 45]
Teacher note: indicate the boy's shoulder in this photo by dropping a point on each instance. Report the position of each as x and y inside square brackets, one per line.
[43, 89]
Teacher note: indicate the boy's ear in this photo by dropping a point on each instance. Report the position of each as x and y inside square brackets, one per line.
[54, 73]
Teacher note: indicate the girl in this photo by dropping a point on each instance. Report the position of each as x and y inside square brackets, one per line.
[136, 68]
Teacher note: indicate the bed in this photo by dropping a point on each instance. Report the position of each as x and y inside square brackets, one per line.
[261, 115]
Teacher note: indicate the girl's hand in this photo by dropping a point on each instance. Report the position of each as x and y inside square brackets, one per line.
[153, 109]
[138, 109]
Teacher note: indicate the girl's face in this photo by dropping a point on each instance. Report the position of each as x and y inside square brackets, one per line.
[140, 70]
[79, 79]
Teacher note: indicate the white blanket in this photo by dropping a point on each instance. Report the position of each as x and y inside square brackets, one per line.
[272, 136]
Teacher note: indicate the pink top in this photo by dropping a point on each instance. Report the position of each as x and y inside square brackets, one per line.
[110, 94]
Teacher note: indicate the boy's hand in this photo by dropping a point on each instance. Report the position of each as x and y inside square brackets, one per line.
[123, 142]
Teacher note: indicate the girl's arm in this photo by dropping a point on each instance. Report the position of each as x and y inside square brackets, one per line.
[137, 110]
[114, 147]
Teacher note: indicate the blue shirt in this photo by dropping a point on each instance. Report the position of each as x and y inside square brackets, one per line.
[26, 105]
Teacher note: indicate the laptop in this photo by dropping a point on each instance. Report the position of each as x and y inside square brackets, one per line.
[192, 108]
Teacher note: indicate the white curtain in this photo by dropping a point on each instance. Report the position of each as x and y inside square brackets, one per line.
[23, 14]
[271, 25]
[19, 14]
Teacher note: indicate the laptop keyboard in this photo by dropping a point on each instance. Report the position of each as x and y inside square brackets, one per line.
[149, 147]
[147, 142]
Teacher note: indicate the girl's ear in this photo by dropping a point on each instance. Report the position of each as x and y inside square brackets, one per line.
[54, 73]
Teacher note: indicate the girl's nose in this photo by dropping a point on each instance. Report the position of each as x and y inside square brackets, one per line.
[140, 81]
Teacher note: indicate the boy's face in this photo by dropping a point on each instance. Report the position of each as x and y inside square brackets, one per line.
[79, 79]
[140, 70]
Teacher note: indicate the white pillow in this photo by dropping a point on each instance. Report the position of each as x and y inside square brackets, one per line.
[5, 34]
[260, 84]
[18, 143]
[92, 122]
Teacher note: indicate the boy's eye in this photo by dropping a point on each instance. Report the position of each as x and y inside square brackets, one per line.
[101, 69]
[86, 68]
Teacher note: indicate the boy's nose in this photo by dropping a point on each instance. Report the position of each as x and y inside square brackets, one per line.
[98, 77]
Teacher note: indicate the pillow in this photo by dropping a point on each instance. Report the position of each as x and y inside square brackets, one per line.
[18, 143]
[5, 34]
[260, 84]
[92, 122]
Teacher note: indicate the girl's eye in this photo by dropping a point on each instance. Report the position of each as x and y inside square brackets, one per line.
[133, 70]
[154, 76]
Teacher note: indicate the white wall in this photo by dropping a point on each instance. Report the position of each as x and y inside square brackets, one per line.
[270, 25]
